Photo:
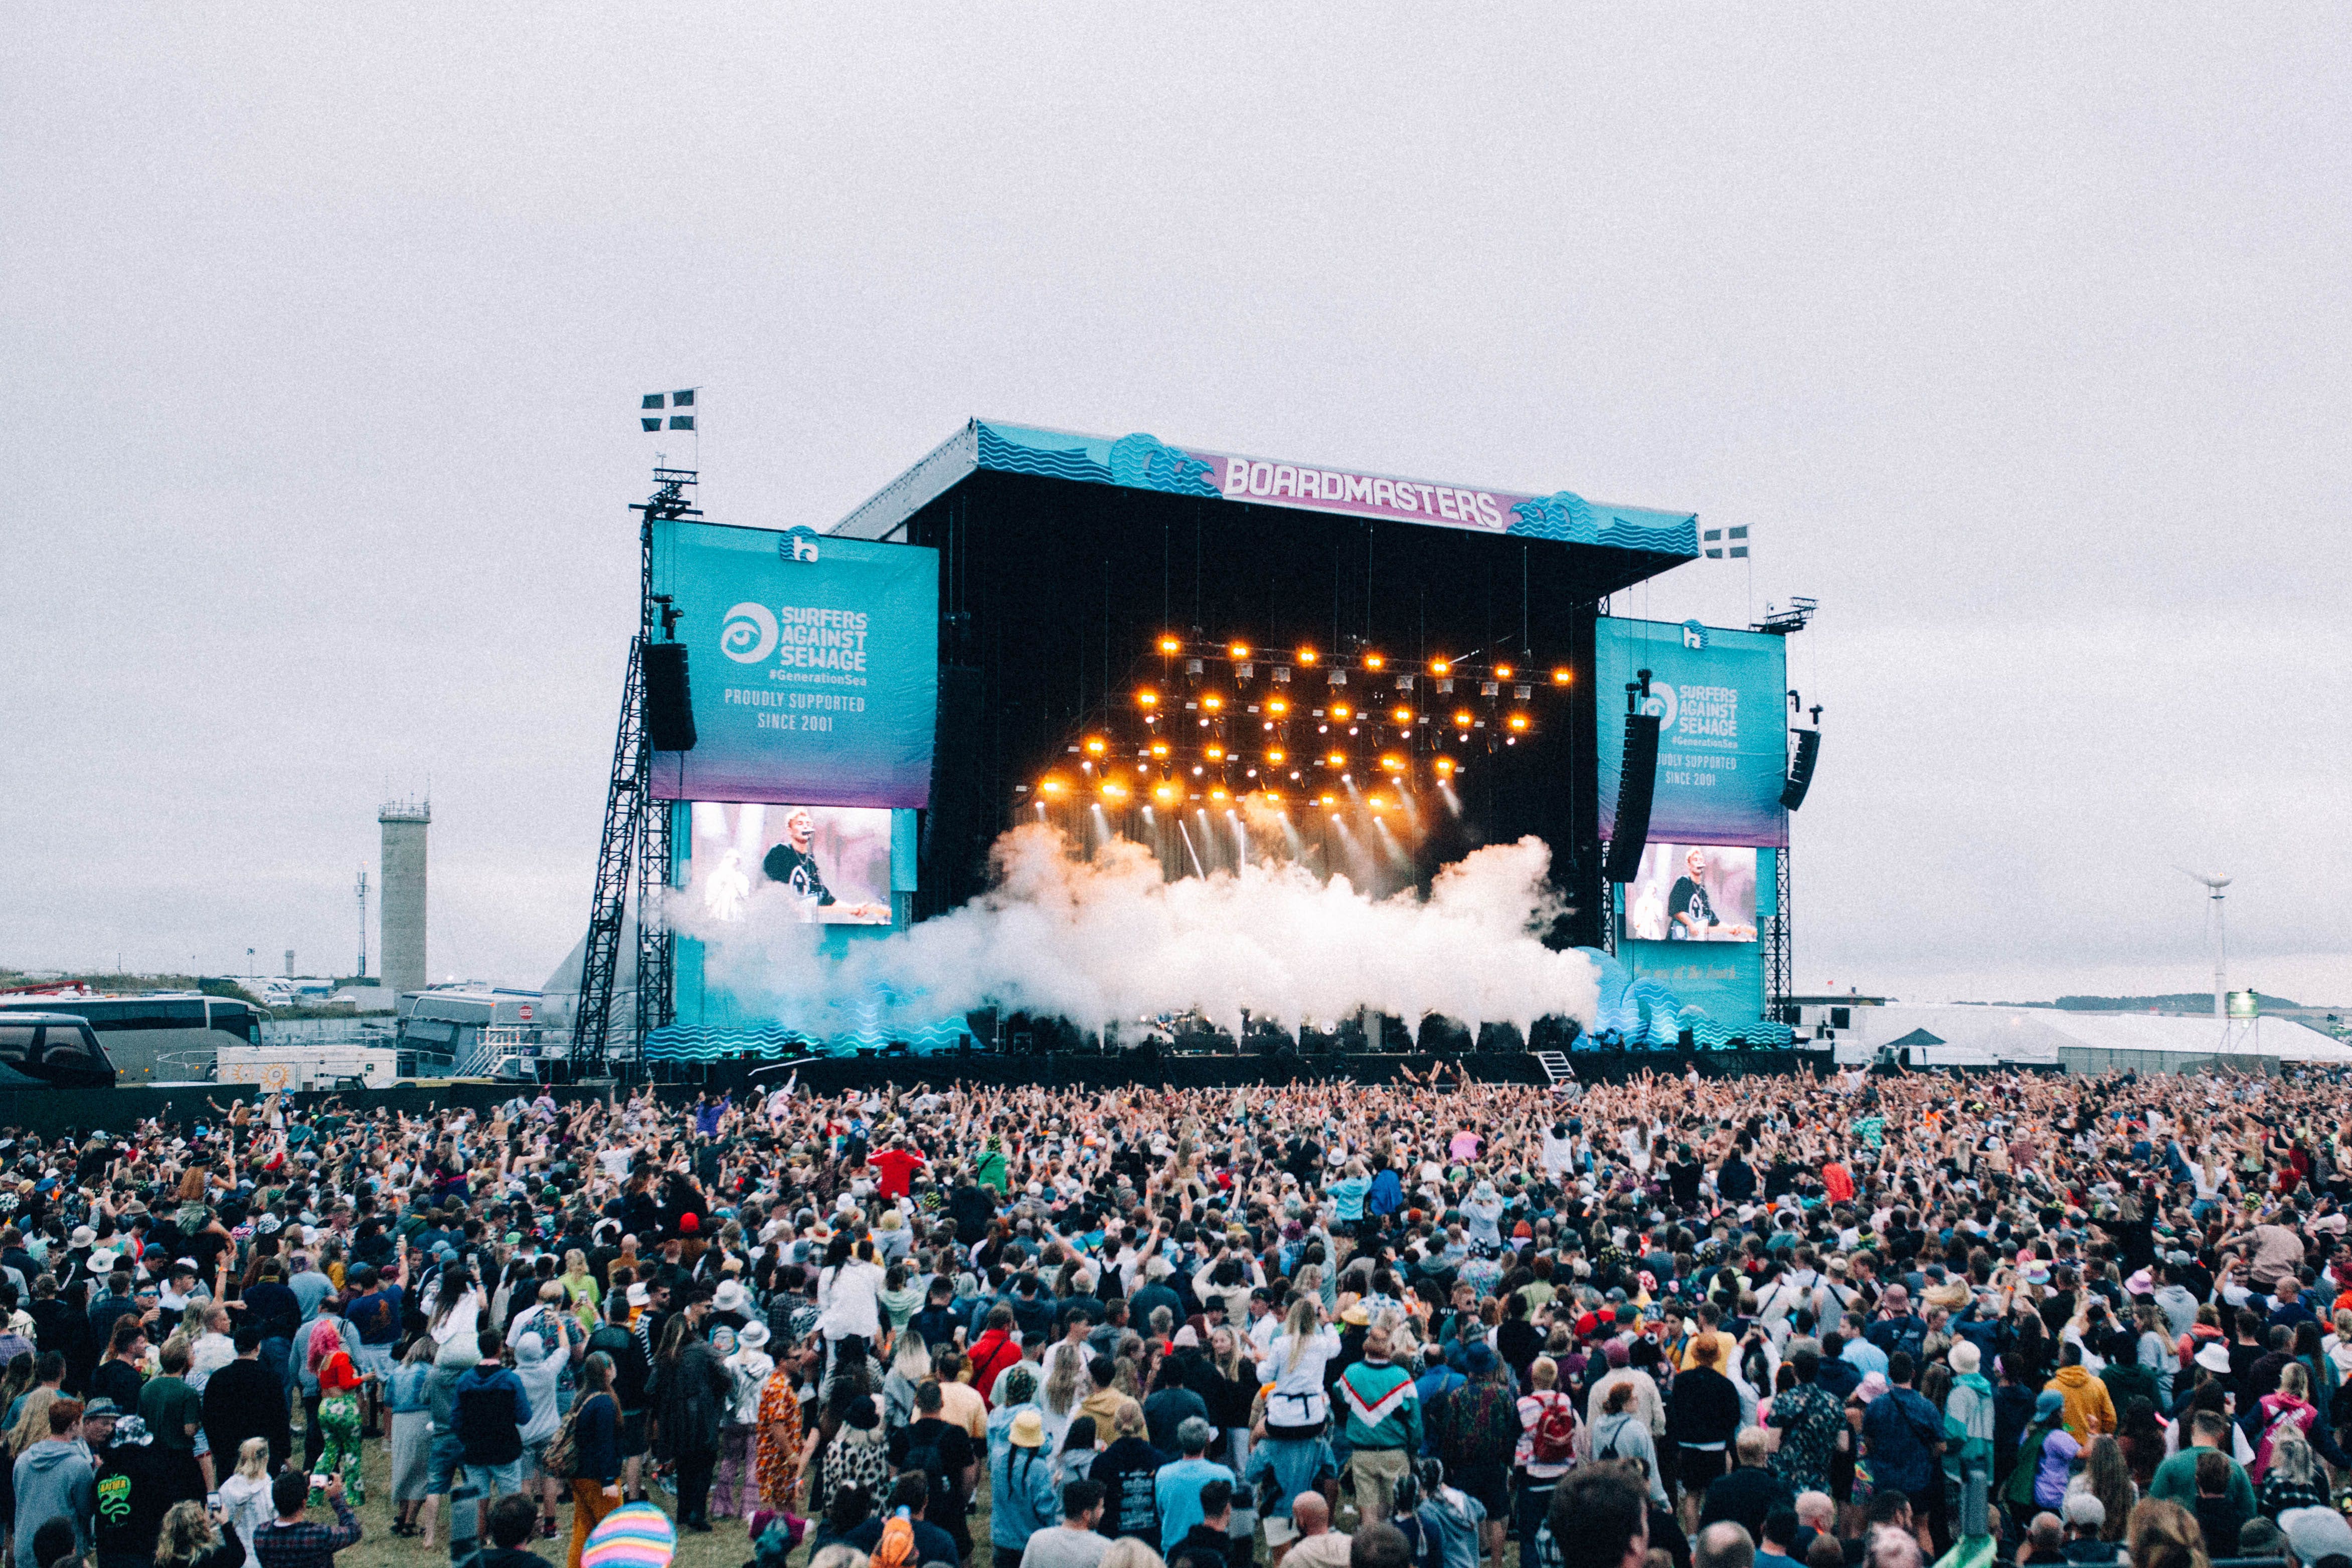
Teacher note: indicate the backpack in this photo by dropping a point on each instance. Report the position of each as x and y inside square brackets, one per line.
[561, 1461]
[1481, 1426]
[1553, 1441]
[927, 1458]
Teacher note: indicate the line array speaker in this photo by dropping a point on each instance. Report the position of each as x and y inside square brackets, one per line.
[1800, 769]
[669, 705]
[1637, 781]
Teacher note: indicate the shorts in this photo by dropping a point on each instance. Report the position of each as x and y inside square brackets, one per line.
[497, 1481]
[1377, 1472]
[374, 1358]
[442, 1463]
[633, 1433]
[1701, 1468]
[1490, 1484]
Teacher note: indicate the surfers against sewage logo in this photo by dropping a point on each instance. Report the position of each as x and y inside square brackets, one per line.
[800, 637]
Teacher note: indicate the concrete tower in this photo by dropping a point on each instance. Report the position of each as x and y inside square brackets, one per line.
[399, 898]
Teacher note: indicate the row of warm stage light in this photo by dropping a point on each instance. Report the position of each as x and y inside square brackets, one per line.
[1114, 788]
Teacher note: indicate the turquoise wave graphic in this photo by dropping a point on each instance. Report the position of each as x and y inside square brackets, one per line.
[694, 1043]
[1645, 1015]
[1135, 462]
[1570, 519]
[1146, 463]
[1001, 453]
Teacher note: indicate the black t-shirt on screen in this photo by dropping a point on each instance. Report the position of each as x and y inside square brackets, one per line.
[1688, 898]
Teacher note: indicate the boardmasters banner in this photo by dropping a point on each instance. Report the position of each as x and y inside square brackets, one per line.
[1723, 747]
[814, 663]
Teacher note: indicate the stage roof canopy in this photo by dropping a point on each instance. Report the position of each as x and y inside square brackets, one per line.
[1621, 545]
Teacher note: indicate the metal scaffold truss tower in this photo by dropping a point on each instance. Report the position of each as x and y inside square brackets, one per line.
[1780, 946]
[634, 857]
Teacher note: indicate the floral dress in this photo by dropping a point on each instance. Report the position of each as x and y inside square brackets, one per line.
[1809, 1418]
[778, 1464]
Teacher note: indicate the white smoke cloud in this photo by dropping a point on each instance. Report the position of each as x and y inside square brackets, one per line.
[1108, 940]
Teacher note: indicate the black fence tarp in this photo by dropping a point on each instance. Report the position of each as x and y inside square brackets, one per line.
[48, 1113]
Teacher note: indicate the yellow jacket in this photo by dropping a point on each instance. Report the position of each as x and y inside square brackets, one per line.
[2089, 1411]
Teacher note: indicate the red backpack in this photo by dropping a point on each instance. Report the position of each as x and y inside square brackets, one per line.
[1553, 1441]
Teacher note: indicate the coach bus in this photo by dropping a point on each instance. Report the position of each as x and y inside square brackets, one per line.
[169, 1037]
[51, 1050]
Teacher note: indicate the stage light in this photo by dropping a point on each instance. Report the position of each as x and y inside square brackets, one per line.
[1217, 794]
[1216, 753]
[1278, 707]
[1306, 655]
[1374, 662]
[1275, 756]
[1461, 718]
[1196, 770]
[1341, 712]
[1336, 759]
[1158, 748]
[1502, 672]
[1239, 651]
[1113, 790]
[1518, 721]
[1563, 676]
[1378, 804]
[1402, 716]
[1445, 766]
[1051, 786]
[1329, 799]
[1272, 796]
[1213, 702]
[1164, 792]
[1393, 763]
[1440, 667]
[1095, 746]
[1146, 698]
[1171, 645]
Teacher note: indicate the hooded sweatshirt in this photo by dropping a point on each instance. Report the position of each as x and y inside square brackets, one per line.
[1451, 1518]
[492, 1411]
[2089, 1409]
[53, 1481]
[538, 1373]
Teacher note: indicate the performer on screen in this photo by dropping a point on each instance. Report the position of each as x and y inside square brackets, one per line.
[791, 864]
[1692, 913]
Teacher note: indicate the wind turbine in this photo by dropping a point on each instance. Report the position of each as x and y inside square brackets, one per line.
[2214, 884]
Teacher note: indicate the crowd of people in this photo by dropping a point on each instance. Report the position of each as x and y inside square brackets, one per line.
[1667, 1322]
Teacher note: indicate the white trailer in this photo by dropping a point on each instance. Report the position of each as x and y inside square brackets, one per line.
[293, 1067]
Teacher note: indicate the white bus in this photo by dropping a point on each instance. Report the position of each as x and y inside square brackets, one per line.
[166, 1037]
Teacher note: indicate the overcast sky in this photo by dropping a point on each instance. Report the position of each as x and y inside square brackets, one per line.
[2018, 336]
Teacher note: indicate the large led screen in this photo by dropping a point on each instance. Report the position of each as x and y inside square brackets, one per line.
[827, 864]
[1692, 893]
[1723, 748]
[813, 661]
